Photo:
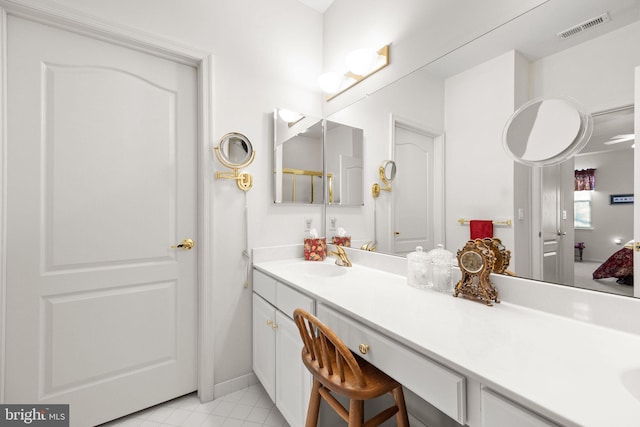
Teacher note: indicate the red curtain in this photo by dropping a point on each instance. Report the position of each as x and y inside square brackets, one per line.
[585, 180]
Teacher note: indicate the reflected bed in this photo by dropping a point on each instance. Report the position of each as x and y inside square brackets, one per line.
[619, 265]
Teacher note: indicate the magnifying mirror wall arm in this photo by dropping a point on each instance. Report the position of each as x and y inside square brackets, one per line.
[243, 180]
[386, 184]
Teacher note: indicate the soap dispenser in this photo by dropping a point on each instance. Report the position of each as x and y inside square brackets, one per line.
[417, 268]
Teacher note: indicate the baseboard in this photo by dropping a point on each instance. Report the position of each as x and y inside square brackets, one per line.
[235, 384]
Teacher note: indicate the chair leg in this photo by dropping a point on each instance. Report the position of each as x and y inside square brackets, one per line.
[314, 405]
[401, 417]
[356, 413]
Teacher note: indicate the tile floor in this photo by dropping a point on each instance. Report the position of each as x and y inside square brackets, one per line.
[249, 407]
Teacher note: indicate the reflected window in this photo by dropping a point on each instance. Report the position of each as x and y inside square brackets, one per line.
[582, 209]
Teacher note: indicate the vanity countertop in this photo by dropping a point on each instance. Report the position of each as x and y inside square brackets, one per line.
[572, 372]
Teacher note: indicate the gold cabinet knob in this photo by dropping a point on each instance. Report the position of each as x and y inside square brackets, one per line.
[269, 322]
[186, 244]
[364, 348]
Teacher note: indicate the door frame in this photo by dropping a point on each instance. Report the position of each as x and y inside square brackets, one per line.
[157, 46]
[438, 174]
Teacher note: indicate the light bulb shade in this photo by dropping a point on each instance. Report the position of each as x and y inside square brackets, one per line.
[331, 82]
[289, 116]
[361, 61]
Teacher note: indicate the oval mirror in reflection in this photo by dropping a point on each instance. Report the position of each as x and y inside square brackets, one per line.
[546, 131]
[388, 171]
[235, 150]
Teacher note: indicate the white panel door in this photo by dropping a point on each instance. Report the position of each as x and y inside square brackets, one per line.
[413, 191]
[351, 184]
[101, 312]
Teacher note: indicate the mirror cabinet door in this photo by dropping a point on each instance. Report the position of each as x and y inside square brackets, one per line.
[297, 158]
[345, 164]
[300, 143]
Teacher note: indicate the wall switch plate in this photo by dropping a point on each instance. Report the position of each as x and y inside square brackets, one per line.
[307, 223]
[332, 223]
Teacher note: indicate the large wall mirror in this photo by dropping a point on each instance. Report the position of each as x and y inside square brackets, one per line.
[465, 99]
[300, 143]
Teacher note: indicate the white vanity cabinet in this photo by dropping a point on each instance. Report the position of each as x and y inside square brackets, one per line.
[277, 346]
[498, 411]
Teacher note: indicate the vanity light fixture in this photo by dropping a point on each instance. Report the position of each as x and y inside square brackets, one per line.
[361, 63]
[291, 117]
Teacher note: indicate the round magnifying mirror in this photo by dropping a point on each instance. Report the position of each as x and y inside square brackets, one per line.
[235, 150]
[388, 170]
[546, 131]
[471, 261]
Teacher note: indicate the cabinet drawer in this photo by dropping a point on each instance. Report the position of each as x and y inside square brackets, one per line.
[288, 299]
[265, 286]
[498, 411]
[438, 385]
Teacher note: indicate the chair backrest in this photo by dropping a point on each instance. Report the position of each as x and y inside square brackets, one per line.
[322, 346]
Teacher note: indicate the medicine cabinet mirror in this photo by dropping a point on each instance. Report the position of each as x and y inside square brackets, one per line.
[344, 147]
[300, 143]
[297, 158]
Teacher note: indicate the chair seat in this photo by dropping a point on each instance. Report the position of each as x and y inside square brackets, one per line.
[378, 383]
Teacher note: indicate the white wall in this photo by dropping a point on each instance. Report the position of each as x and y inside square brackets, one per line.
[267, 54]
[614, 175]
[479, 174]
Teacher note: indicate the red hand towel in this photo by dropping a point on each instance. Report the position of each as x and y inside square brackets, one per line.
[480, 228]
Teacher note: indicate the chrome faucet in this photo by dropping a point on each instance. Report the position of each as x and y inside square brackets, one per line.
[343, 259]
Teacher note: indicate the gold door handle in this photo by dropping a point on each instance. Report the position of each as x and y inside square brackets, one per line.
[186, 244]
[397, 233]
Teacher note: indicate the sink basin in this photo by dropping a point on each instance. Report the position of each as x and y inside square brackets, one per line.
[631, 381]
[319, 269]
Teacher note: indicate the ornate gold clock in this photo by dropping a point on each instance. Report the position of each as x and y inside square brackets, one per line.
[476, 260]
[502, 254]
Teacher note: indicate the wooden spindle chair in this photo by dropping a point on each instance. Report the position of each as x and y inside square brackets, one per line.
[336, 369]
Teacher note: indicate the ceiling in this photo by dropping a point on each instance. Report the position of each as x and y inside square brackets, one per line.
[319, 5]
[547, 20]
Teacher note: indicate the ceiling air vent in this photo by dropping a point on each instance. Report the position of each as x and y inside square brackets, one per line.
[586, 25]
